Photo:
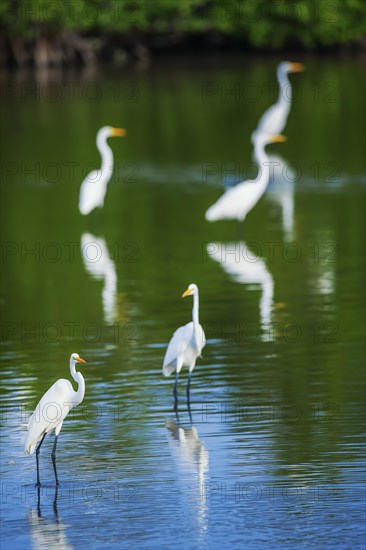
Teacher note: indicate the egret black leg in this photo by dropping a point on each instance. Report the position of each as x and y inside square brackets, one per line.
[189, 397]
[175, 391]
[38, 484]
[188, 389]
[53, 455]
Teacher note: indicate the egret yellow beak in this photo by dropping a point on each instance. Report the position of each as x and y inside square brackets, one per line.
[80, 360]
[118, 132]
[187, 292]
[297, 67]
[278, 139]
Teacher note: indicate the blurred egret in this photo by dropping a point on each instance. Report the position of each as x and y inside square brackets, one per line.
[51, 411]
[273, 121]
[186, 345]
[94, 187]
[236, 202]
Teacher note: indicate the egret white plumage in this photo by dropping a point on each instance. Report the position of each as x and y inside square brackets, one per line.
[94, 187]
[52, 410]
[273, 121]
[186, 345]
[236, 202]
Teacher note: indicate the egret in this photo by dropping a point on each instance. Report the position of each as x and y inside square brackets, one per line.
[273, 121]
[236, 202]
[52, 410]
[94, 187]
[185, 346]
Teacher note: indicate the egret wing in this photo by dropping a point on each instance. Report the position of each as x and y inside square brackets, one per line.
[237, 201]
[274, 119]
[202, 339]
[92, 192]
[230, 204]
[52, 408]
[179, 343]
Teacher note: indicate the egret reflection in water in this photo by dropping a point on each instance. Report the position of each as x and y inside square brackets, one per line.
[322, 266]
[47, 532]
[99, 264]
[191, 460]
[281, 191]
[240, 263]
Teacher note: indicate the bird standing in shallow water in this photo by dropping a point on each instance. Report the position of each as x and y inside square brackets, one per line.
[94, 187]
[273, 120]
[185, 346]
[51, 411]
[239, 200]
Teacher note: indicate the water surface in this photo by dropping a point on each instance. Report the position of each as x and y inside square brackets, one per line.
[274, 455]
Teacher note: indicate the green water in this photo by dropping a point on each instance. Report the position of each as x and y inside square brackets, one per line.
[274, 455]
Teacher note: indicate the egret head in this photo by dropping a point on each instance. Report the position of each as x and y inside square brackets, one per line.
[279, 138]
[192, 289]
[262, 139]
[109, 131]
[76, 358]
[290, 67]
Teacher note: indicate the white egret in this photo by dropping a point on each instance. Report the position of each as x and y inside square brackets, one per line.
[51, 411]
[236, 202]
[273, 121]
[185, 346]
[94, 187]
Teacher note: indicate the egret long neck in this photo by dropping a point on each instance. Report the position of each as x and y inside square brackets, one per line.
[195, 308]
[79, 379]
[265, 166]
[106, 154]
[285, 91]
[260, 154]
